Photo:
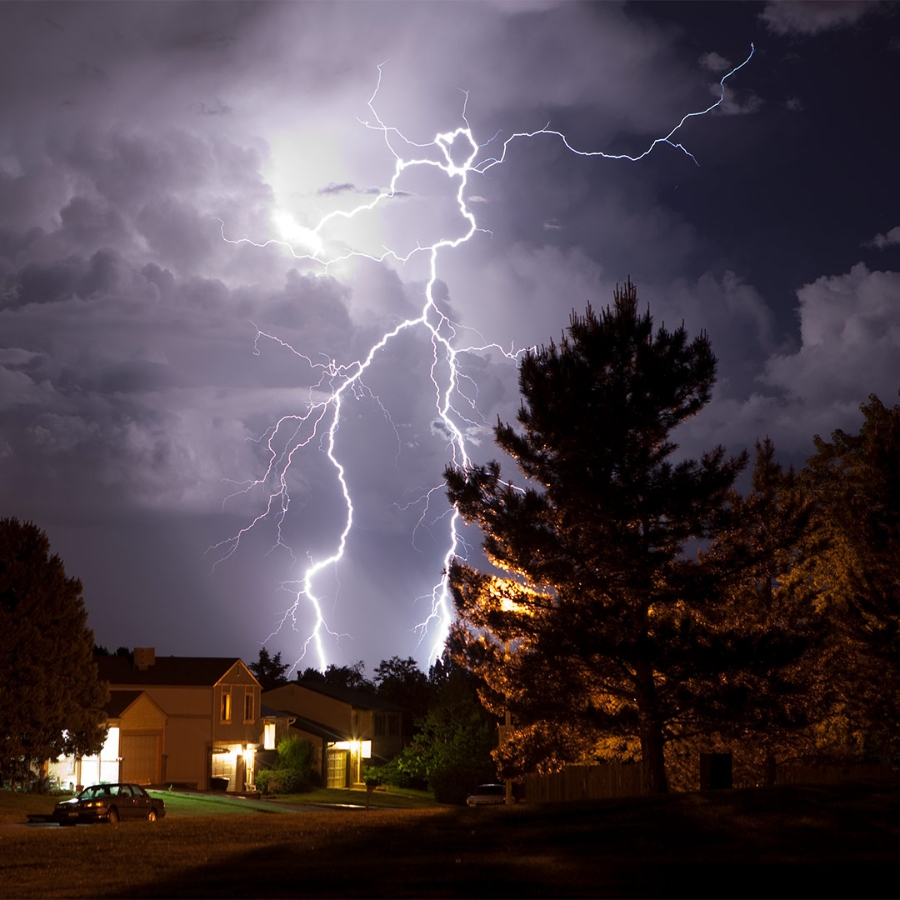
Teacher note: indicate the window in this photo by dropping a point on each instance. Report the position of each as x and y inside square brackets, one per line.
[393, 724]
[226, 704]
[249, 712]
[269, 736]
[379, 724]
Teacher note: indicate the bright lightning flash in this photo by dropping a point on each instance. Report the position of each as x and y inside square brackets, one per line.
[461, 158]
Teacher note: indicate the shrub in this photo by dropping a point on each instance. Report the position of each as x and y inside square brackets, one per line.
[295, 753]
[293, 772]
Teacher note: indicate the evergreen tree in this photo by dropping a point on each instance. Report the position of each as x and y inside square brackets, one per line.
[50, 699]
[269, 670]
[603, 627]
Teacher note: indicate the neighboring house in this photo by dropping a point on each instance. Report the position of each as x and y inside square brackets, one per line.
[345, 726]
[134, 749]
[212, 722]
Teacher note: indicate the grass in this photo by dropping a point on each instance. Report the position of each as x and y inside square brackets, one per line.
[786, 841]
[382, 798]
[15, 807]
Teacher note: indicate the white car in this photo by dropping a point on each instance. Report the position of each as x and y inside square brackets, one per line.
[488, 795]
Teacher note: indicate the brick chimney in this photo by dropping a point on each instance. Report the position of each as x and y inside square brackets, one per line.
[144, 657]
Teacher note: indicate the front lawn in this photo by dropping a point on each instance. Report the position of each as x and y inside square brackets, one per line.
[791, 841]
[382, 798]
[17, 806]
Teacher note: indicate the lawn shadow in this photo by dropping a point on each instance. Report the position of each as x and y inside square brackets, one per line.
[794, 843]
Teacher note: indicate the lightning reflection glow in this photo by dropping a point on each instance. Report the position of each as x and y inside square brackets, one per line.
[460, 157]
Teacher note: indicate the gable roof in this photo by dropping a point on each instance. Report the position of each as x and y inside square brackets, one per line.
[350, 696]
[119, 701]
[193, 671]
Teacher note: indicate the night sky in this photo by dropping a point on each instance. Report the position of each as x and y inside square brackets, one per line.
[140, 141]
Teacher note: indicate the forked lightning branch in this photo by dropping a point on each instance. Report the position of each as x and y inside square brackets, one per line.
[461, 158]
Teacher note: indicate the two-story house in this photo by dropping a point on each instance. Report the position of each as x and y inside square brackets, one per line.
[346, 727]
[212, 726]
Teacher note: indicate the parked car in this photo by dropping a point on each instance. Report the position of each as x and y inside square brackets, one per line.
[109, 803]
[488, 795]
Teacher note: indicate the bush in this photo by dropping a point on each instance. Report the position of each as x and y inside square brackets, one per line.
[293, 772]
[295, 753]
[285, 781]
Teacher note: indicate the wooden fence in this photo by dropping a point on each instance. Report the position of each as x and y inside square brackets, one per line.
[585, 783]
[833, 773]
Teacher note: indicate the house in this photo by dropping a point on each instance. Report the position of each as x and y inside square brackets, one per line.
[346, 726]
[207, 726]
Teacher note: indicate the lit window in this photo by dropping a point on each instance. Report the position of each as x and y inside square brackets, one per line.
[248, 705]
[269, 736]
[226, 704]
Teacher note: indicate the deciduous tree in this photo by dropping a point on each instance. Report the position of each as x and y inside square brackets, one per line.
[51, 701]
[855, 480]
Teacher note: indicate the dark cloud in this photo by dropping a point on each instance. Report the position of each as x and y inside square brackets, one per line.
[155, 323]
[810, 17]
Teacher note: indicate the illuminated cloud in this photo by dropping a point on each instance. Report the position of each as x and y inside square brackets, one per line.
[135, 388]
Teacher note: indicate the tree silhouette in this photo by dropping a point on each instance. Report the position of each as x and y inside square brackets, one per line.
[269, 670]
[602, 626]
[50, 699]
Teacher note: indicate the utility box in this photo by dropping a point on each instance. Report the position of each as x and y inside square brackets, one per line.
[715, 771]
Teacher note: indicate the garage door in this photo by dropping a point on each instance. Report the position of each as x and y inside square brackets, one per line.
[337, 768]
[140, 758]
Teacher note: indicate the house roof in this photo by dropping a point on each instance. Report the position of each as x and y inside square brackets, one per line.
[303, 724]
[318, 729]
[119, 701]
[166, 670]
[350, 696]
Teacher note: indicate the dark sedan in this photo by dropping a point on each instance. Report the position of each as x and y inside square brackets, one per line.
[109, 803]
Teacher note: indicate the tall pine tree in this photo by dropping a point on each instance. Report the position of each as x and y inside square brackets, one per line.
[603, 625]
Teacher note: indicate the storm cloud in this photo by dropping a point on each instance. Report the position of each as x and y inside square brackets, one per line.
[156, 161]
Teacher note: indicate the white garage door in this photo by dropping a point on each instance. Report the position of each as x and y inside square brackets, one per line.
[337, 769]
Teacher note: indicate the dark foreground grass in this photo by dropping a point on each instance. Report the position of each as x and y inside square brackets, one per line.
[782, 842]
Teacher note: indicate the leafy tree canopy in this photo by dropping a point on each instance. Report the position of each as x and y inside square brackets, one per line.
[855, 480]
[451, 752]
[401, 681]
[602, 627]
[51, 701]
[340, 676]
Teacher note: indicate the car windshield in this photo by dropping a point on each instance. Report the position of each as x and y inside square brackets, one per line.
[95, 791]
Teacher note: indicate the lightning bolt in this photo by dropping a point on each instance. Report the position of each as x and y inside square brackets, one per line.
[320, 420]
